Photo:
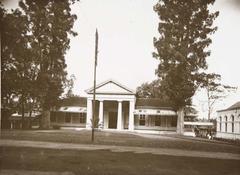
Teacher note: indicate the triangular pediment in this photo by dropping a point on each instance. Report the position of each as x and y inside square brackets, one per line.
[111, 87]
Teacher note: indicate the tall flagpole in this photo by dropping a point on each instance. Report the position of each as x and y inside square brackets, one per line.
[94, 84]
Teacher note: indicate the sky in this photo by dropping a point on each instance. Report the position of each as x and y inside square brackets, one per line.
[126, 29]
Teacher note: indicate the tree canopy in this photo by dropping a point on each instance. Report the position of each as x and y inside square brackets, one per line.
[50, 23]
[16, 57]
[34, 43]
[152, 90]
[184, 28]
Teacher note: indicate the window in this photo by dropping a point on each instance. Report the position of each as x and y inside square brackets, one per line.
[232, 123]
[75, 118]
[225, 123]
[157, 121]
[82, 117]
[220, 124]
[68, 118]
[142, 120]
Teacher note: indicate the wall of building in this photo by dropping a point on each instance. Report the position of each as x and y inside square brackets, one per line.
[155, 122]
[68, 119]
[228, 124]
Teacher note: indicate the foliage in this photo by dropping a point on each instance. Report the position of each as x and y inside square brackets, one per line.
[148, 90]
[34, 42]
[50, 23]
[16, 75]
[152, 90]
[215, 90]
[184, 28]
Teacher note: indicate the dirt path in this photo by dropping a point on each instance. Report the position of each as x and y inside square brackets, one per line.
[27, 172]
[89, 147]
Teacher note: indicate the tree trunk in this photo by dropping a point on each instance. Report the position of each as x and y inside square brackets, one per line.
[23, 112]
[30, 119]
[45, 120]
[180, 121]
[209, 114]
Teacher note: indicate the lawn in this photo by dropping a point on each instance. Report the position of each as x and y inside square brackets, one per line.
[106, 162]
[116, 138]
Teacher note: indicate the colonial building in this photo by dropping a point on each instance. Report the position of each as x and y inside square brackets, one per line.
[228, 122]
[72, 113]
[116, 108]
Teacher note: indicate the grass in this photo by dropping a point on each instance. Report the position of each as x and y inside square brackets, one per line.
[116, 138]
[106, 162]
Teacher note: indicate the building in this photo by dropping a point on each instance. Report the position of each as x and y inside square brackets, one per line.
[30, 120]
[116, 108]
[228, 122]
[72, 113]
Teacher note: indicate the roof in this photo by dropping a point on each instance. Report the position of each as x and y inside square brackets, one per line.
[73, 109]
[234, 106]
[74, 101]
[111, 87]
[17, 116]
[154, 103]
[199, 123]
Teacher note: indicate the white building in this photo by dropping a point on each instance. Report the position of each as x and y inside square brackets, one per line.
[228, 122]
[117, 108]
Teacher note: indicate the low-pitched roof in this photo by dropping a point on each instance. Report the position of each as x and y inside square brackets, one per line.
[154, 103]
[111, 87]
[234, 106]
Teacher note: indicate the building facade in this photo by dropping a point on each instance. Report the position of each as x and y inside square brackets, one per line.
[116, 108]
[228, 122]
[72, 113]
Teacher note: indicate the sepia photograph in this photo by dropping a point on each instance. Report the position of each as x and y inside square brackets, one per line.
[120, 87]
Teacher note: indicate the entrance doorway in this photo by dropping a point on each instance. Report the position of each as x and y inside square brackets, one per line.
[112, 121]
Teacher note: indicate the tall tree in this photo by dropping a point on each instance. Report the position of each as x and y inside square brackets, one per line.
[184, 27]
[50, 24]
[16, 60]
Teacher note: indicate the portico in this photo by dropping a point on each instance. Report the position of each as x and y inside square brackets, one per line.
[114, 106]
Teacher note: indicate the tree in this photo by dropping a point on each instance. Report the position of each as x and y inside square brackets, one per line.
[147, 90]
[215, 90]
[184, 27]
[151, 90]
[50, 24]
[16, 60]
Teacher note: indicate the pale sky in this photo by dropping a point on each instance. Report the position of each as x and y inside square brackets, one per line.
[126, 29]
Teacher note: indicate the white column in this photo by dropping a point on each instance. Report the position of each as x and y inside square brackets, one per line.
[101, 114]
[119, 117]
[131, 116]
[89, 113]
